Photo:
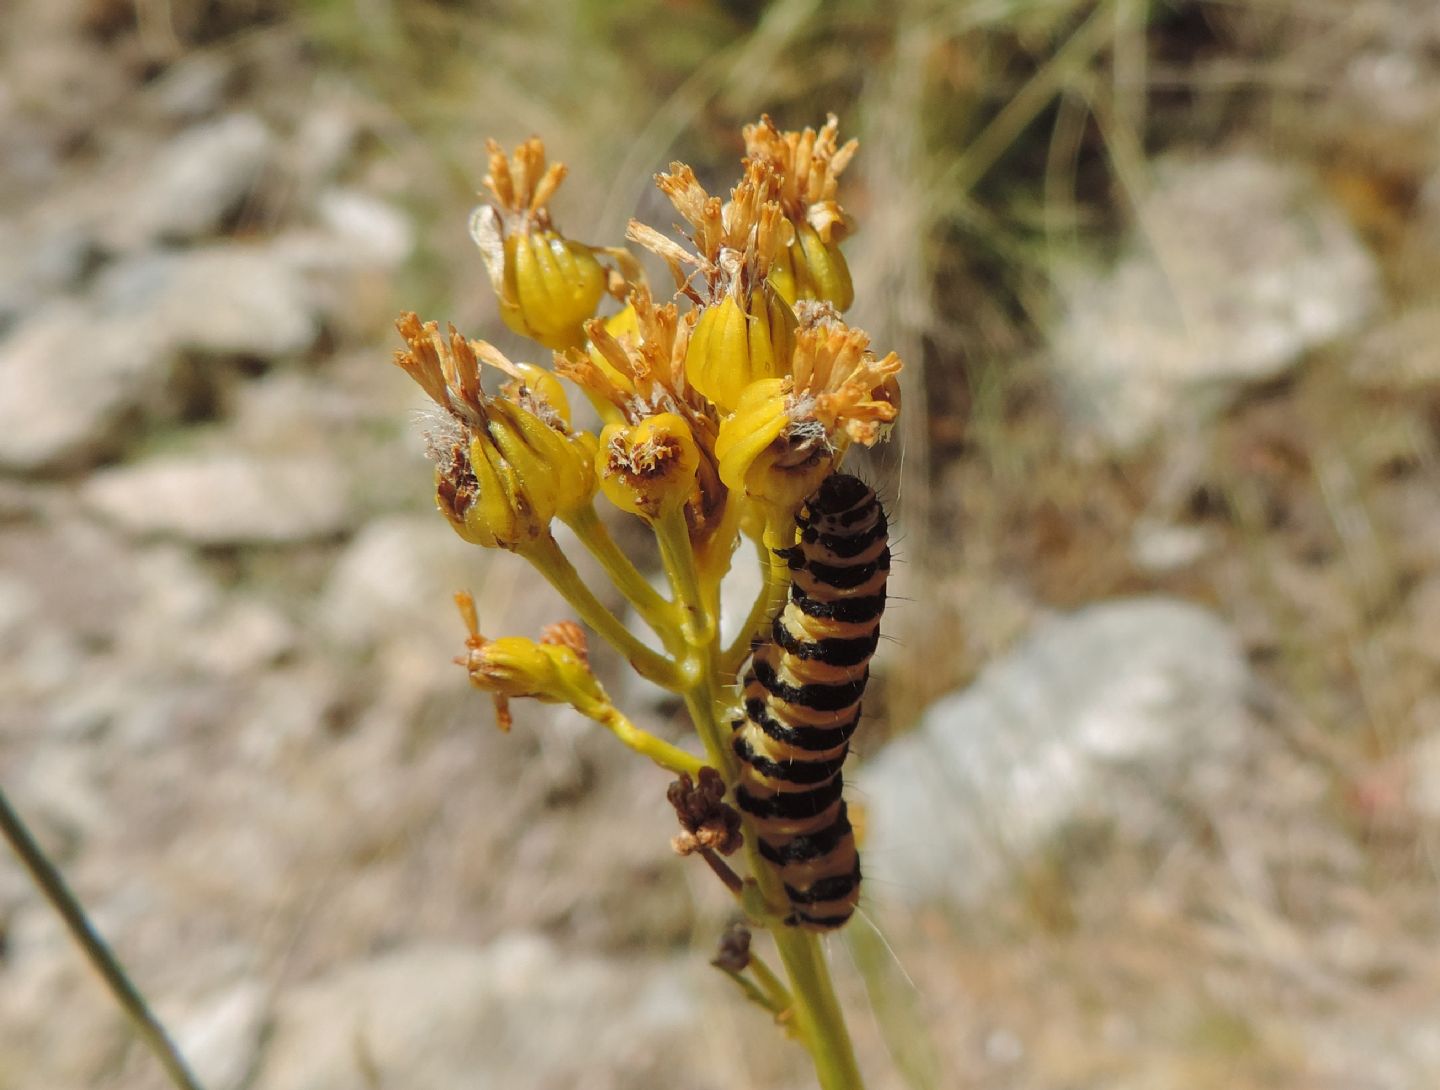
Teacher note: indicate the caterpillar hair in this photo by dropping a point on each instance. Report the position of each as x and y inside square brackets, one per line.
[801, 699]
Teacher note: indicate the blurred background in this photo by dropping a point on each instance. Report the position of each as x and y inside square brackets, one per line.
[1152, 779]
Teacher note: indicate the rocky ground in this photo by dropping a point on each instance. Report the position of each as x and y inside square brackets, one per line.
[1167, 624]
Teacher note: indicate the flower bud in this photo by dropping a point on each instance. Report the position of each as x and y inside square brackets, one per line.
[556, 670]
[648, 468]
[503, 471]
[481, 496]
[516, 666]
[734, 345]
[557, 470]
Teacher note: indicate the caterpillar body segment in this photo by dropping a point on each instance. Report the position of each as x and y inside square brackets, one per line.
[801, 701]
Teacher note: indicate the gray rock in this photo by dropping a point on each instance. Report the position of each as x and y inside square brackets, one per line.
[325, 139]
[70, 380]
[78, 371]
[228, 299]
[516, 1013]
[1093, 716]
[1399, 354]
[178, 618]
[1237, 268]
[198, 179]
[1422, 768]
[40, 257]
[395, 582]
[365, 229]
[194, 86]
[1160, 547]
[61, 797]
[225, 499]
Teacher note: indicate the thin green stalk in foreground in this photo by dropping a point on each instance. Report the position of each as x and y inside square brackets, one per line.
[101, 957]
[818, 1018]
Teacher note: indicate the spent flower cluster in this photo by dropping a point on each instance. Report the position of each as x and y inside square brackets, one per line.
[720, 409]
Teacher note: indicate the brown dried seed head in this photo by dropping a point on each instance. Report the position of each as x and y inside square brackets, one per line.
[708, 821]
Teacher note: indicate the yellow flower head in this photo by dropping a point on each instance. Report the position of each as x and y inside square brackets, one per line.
[648, 468]
[808, 164]
[745, 331]
[635, 366]
[635, 362]
[547, 285]
[554, 671]
[838, 382]
[504, 466]
[787, 434]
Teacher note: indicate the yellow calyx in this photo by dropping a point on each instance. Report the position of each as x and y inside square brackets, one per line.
[550, 287]
[648, 468]
[811, 268]
[767, 456]
[735, 345]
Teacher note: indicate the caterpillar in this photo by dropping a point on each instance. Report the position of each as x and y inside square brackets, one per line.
[801, 701]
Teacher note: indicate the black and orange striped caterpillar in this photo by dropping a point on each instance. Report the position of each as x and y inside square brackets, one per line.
[801, 699]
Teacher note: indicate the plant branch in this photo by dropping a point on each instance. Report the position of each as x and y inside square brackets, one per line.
[658, 613]
[669, 757]
[676, 553]
[819, 1021]
[555, 566]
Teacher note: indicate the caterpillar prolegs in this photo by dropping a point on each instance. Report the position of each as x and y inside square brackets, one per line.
[801, 698]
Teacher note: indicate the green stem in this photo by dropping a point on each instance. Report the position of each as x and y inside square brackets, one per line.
[555, 566]
[52, 884]
[658, 613]
[669, 757]
[753, 992]
[774, 989]
[818, 1017]
[817, 1010]
[696, 620]
[765, 990]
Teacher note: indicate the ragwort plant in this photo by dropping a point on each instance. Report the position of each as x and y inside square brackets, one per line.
[721, 410]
